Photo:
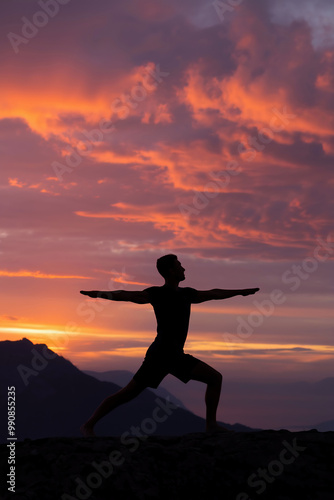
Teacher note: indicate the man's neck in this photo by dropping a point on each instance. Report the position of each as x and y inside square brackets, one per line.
[172, 284]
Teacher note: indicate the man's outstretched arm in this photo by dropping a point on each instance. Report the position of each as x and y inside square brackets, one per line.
[140, 297]
[218, 294]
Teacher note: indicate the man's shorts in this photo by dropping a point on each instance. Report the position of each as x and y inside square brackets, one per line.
[157, 364]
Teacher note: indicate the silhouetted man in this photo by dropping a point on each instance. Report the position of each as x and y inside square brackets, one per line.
[171, 305]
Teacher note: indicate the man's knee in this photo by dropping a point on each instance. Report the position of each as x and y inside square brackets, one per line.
[207, 374]
[217, 378]
[214, 377]
[130, 391]
[134, 387]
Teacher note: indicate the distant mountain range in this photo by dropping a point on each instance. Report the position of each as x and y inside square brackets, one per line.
[53, 398]
[321, 427]
[307, 399]
[323, 387]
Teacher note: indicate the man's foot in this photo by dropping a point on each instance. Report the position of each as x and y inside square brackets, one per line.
[217, 428]
[87, 431]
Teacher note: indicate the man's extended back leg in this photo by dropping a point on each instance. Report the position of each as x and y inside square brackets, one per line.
[129, 392]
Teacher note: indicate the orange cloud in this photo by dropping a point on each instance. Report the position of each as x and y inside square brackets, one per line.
[39, 274]
[185, 233]
[15, 182]
[123, 277]
[67, 91]
[132, 213]
[252, 101]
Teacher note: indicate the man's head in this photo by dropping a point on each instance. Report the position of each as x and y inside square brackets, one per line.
[170, 268]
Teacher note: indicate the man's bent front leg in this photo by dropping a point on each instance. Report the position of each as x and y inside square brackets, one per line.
[212, 396]
[205, 373]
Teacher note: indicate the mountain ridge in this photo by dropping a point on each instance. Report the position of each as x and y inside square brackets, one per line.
[278, 465]
[54, 397]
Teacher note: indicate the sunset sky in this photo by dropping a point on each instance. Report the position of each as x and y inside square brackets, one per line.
[129, 130]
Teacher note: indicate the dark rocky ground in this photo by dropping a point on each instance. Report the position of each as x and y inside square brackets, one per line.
[275, 465]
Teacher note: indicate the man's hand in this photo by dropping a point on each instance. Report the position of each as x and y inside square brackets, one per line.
[249, 291]
[93, 293]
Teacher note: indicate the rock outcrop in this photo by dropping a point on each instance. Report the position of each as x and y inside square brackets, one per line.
[275, 465]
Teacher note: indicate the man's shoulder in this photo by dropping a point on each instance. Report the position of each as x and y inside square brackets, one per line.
[152, 291]
[182, 289]
[190, 293]
[152, 288]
